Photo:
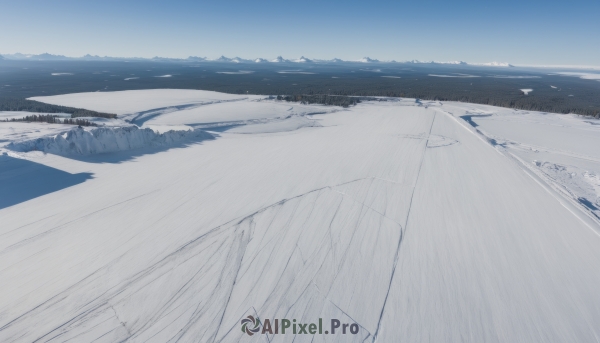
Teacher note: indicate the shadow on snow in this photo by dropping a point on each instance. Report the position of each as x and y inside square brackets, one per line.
[22, 180]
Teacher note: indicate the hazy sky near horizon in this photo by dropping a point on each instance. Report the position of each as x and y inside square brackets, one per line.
[519, 32]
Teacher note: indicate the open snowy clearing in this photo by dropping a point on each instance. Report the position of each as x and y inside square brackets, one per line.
[240, 72]
[526, 91]
[588, 76]
[419, 221]
[136, 101]
[454, 75]
[515, 76]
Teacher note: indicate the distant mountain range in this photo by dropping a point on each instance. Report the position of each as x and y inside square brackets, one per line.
[223, 59]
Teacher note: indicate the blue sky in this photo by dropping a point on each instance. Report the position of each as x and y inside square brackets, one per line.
[518, 32]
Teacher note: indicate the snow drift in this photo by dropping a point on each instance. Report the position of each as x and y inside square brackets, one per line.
[105, 139]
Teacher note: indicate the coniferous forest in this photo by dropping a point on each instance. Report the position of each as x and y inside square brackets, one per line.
[17, 104]
[306, 82]
[52, 119]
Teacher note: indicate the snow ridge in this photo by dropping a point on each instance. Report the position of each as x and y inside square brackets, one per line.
[106, 139]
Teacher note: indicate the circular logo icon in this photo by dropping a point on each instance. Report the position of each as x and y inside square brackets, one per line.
[250, 325]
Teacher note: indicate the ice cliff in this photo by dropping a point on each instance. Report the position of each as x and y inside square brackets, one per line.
[106, 139]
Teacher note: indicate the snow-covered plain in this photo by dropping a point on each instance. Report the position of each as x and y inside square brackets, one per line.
[561, 149]
[140, 100]
[420, 221]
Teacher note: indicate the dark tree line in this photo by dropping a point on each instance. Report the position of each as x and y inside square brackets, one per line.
[531, 102]
[551, 93]
[80, 122]
[335, 100]
[52, 119]
[16, 104]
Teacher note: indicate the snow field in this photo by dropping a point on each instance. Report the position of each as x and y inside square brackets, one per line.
[396, 215]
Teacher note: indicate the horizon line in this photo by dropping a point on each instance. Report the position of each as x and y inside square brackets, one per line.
[280, 59]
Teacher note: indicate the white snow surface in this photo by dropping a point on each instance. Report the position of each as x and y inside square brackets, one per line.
[106, 121]
[561, 149]
[515, 76]
[588, 76]
[295, 72]
[368, 60]
[454, 75]
[303, 59]
[493, 64]
[239, 72]
[237, 112]
[20, 131]
[279, 59]
[199, 109]
[290, 123]
[526, 91]
[396, 215]
[127, 102]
